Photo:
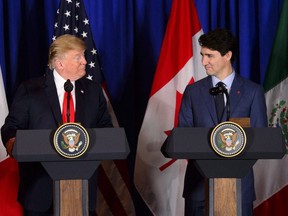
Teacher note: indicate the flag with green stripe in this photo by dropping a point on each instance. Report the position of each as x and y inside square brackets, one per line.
[271, 176]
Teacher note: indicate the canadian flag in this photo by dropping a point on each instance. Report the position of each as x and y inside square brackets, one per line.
[160, 180]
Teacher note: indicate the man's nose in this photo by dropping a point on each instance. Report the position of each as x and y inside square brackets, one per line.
[204, 60]
[84, 61]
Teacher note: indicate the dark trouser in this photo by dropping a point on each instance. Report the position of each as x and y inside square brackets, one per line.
[197, 208]
[31, 213]
[194, 208]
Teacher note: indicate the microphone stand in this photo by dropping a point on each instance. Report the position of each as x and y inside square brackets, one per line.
[227, 103]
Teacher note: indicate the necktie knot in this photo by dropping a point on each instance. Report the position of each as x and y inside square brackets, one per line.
[221, 85]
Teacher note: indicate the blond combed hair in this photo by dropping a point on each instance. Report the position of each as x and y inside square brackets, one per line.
[63, 44]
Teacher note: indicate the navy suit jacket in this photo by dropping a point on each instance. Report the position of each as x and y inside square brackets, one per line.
[198, 110]
[36, 106]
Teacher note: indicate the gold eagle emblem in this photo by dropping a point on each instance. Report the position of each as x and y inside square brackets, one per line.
[229, 140]
[71, 141]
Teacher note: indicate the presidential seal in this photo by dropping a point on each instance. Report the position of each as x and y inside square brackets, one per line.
[228, 139]
[71, 140]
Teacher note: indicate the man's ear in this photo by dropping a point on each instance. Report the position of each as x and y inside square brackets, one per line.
[229, 55]
[58, 64]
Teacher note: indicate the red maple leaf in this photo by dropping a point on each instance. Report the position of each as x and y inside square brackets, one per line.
[177, 108]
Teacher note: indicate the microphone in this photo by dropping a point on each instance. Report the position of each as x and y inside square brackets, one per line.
[68, 87]
[221, 89]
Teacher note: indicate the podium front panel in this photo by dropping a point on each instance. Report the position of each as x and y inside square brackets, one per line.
[194, 143]
[37, 145]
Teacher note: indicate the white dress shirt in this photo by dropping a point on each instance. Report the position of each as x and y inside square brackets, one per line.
[59, 82]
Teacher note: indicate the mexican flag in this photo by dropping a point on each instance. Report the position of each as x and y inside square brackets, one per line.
[271, 176]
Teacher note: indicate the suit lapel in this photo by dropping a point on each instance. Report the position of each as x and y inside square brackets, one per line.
[80, 92]
[236, 93]
[209, 99]
[52, 97]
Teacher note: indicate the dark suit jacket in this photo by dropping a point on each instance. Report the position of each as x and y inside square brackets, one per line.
[198, 110]
[36, 106]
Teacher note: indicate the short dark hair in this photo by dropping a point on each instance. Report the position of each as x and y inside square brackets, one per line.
[221, 40]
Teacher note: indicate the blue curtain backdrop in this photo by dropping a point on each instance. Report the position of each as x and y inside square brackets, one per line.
[128, 35]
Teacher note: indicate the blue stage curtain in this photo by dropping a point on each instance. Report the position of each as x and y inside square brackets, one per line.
[128, 35]
[254, 24]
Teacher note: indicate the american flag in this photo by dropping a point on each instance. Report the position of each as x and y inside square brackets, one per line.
[72, 19]
[114, 195]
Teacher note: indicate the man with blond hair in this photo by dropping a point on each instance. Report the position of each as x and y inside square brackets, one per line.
[38, 104]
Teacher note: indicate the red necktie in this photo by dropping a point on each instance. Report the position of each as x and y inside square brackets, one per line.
[68, 115]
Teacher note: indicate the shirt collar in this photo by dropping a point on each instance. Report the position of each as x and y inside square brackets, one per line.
[59, 80]
[227, 81]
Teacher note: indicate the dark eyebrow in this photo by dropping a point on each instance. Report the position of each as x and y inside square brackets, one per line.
[207, 54]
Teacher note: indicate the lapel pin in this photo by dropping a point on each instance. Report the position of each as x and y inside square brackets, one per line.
[82, 91]
[238, 92]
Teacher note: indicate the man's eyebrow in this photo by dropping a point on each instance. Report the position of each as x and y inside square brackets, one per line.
[206, 54]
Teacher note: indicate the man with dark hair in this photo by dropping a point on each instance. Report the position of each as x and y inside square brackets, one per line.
[198, 109]
[38, 104]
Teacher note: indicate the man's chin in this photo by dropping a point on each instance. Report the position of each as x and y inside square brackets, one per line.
[208, 72]
[82, 73]
[79, 76]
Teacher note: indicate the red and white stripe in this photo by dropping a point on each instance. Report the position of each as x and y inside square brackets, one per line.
[114, 188]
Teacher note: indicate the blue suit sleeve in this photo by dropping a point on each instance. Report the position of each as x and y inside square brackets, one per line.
[258, 109]
[186, 112]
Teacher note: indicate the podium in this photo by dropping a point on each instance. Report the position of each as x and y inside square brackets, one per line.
[70, 176]
[194, 144]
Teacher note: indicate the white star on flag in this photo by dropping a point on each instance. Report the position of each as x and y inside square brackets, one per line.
[84, 34]
[94, 52]
[66, 27]
[92, 64]
[68, 13]
[86, 22]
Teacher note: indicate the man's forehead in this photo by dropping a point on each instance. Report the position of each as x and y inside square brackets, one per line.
[207, 51]
[75, 51]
